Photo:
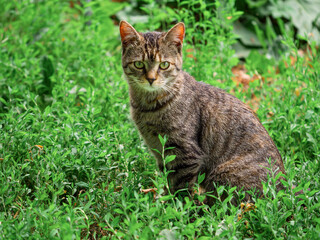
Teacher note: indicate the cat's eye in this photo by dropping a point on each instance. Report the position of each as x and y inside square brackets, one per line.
[164, 65]
[138, 64]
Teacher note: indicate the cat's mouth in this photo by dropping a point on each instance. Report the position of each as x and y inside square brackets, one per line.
[153, 86]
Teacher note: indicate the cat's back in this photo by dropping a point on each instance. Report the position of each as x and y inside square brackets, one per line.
[215, 97]
[220, 105]
[229, 128]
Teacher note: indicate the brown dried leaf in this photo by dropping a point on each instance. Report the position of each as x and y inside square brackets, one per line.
[254, 102]
[118, 188]
[153, 190]
[241, 76]
[190, 52]
[246, 207]
[40, 151]
[16, 214]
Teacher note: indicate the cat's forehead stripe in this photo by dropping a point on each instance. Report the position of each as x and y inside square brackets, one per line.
[152, 45]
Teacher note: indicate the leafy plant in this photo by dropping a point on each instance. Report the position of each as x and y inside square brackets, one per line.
[267, 21]
[73, 164]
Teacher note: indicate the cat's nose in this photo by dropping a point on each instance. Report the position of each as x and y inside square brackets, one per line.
[151, 80]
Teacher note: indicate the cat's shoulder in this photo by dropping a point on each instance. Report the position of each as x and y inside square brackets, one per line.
[202, 87]
[208, 95]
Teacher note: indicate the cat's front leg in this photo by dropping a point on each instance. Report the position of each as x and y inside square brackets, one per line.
[184, 175]
[186, 167]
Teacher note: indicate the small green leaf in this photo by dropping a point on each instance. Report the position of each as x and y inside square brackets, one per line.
[82, 184]
[97, 110]
[231, 190]
[166, 198]
[169, 158]
[3, 101]
[163, 140]
[315, 206]
[201, 177]
[156, 150]
[168, 234]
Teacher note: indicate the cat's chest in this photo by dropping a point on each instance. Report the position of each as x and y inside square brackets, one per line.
[155, 123]
[177, 122]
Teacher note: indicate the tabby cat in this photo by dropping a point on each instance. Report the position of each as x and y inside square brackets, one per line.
[212, 132]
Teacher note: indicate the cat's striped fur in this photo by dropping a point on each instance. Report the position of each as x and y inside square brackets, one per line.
[211, 131]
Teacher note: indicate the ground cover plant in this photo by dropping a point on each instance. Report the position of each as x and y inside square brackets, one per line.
[72, 163]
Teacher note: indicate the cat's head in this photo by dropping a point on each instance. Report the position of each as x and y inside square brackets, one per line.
[152, 60]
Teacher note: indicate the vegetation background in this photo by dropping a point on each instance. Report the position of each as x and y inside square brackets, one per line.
[72, 163]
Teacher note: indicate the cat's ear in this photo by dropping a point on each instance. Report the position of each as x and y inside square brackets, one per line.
[127, 32]
[176, 34]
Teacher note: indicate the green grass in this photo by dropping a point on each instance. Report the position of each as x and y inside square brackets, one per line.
[62, 87]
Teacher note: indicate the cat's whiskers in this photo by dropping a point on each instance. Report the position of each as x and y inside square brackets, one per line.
[132, 80]
[168, 89]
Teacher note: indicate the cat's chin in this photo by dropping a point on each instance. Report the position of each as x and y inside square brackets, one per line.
[151, 88]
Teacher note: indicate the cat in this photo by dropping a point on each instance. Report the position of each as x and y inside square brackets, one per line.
[210, 131]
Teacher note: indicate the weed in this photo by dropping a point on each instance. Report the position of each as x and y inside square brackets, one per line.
[73, 164]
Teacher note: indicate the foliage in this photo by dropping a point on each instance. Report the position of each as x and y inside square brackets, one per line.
[72, 163]
[266, 21]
